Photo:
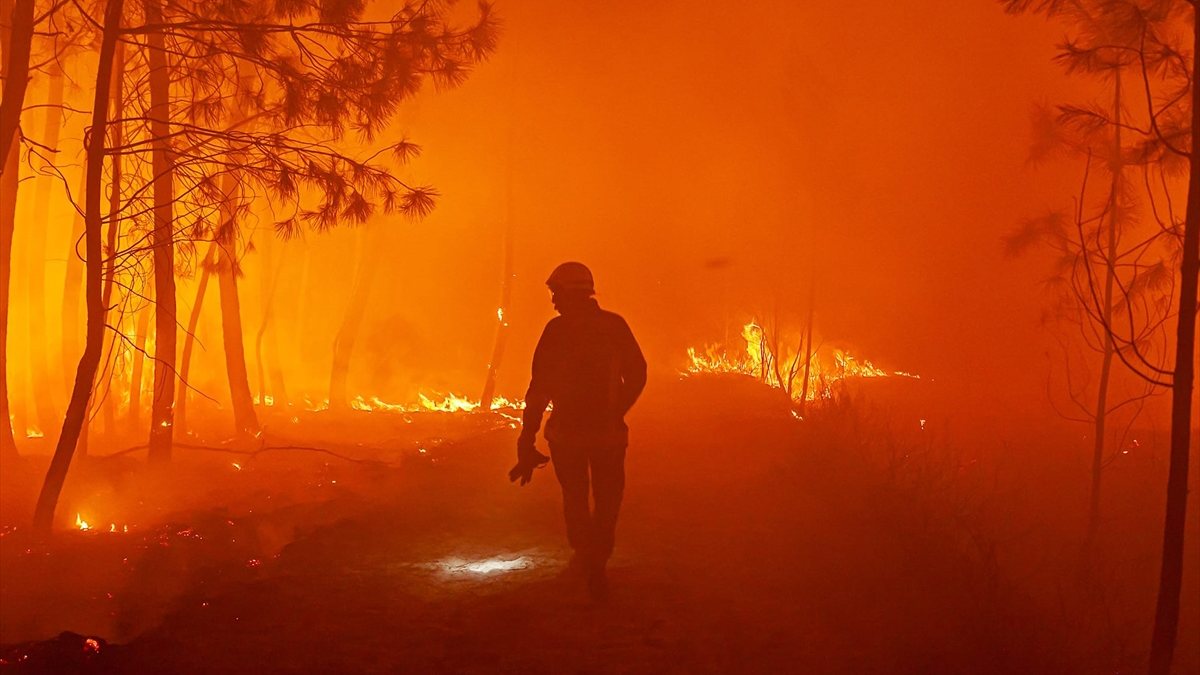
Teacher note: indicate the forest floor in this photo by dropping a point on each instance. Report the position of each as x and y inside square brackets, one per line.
[748, 543]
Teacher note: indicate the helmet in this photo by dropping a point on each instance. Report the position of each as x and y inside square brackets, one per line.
[571, 276]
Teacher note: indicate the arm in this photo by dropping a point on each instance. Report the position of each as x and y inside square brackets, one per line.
[538, 395]
[633, 369]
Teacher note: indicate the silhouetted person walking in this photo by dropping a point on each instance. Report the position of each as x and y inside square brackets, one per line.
[588, 365]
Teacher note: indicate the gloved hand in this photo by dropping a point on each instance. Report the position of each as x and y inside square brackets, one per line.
[528, 459]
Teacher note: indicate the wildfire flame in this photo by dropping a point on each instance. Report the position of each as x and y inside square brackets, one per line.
[773, 365]
[85, 526]
[447, 403]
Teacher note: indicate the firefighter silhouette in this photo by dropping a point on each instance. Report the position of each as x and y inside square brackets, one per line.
[589, 366]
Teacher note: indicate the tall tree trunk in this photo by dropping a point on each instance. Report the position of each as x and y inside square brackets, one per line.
[18, 39]
[189, 338]
[162, 238]
[1108, 350]
[347, 335]
[489, 384]
[136, 375]
[9, 183]
[117, 136]
[244, 417]
[56, 475]
[300, 318]
[45, 387]
[1166, 616]
[269, 283]
[73, 287]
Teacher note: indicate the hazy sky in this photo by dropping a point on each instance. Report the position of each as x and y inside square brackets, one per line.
[712, 160]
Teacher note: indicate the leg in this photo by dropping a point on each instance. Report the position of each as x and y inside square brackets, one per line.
[608, 486]
[571, 468]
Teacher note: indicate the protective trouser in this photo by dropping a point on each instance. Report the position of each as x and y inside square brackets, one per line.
[590, 532]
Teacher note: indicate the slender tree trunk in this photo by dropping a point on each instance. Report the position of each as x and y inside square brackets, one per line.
[347, 335]
[9, 183]
[266, 329]
[1108, 350]
[56, 475]
[72, 288]
[117, 134]
[189, 338]
[489, 384]
[301, 306]
[142, 328]
[44, 387]
[244, 416]
[1166, 617]
[162, 237]
[808, 347]
[18, 39]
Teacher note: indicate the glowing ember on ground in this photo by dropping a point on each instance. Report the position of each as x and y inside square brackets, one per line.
[91, 646]
[81, 523]
[236, 466]
[486, 566]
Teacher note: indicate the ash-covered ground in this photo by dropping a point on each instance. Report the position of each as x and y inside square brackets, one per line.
[856, 540]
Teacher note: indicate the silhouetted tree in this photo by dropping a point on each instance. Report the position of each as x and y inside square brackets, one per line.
[206, 267]
[56, 475]
[16, 37]
[501, 340]
[162, 235]
[261, 96]
[1155, 36]
[268, 287]
[18, 30]
[317, 67]
[1100, 248]
[35, 285]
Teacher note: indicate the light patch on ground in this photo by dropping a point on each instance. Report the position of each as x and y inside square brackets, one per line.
[460, 566]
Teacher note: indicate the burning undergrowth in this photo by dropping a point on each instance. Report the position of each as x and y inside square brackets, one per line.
[800, 366]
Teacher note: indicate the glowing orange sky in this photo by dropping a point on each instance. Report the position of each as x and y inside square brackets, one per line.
[708, 161]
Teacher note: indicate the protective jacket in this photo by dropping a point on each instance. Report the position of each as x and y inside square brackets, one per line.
[589, 366]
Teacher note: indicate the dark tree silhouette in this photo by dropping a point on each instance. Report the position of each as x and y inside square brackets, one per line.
[1108, 267]
[35, 283]
[162, 237]
[501, 340]
[16, 37]
[1161, 39]
[43, 516]
[17, 45]
[257, 99]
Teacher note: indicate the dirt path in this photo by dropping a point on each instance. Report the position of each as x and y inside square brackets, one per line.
[698, 586]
